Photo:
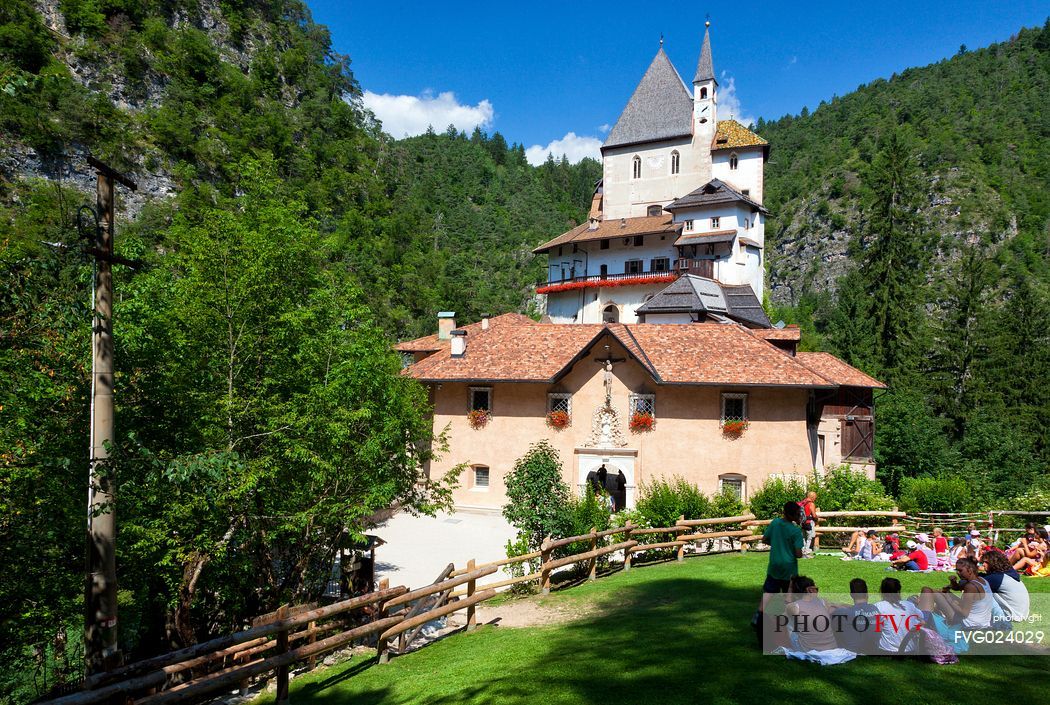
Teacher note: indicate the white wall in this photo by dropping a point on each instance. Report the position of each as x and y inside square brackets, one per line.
[668, 318]
[627, 197]
[749, 174]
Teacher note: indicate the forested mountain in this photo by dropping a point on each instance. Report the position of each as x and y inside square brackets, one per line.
[284, 241]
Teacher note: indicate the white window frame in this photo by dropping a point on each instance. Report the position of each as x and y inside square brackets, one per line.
[475, 485]
[734, 479]
[733, 395]
[676, 163]
[636, 167]
[716, 221]
[559, 401]
[641, 402]
[470, 397]
[689, 225]
[734, 161]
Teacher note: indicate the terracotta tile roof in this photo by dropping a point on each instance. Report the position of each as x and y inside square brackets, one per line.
[698, 353]
[613, 228]
[731, 134]
[431, 343]
[837, 371]
[788, 333]
[716, 353]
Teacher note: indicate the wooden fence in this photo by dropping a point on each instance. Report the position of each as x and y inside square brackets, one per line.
[301, 634]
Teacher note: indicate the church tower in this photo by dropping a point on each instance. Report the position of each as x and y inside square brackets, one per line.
[705, 102]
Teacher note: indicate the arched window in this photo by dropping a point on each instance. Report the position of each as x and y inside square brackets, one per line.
[674, 162]
[611, 314]
[637, 168]
[654, 210]
[703, 93]
[733, 161]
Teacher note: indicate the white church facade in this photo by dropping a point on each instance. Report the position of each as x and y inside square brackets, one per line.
[681, 193]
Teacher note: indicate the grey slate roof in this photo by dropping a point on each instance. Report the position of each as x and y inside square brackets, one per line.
[660, 108]
[693, 294]
[714, 192]
[705, 70]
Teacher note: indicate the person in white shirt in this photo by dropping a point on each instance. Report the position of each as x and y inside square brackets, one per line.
[896, 617]
[1007, 588]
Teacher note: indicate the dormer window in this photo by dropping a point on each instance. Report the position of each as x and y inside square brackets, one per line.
[637, 167]
[675, 162]
[715, 222]
[689, 225]
[733, 162]
[654, 210]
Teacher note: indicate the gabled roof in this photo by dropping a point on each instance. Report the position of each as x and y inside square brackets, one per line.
[834, 369]
[714, 193]
[687, 294]
[695, 353]
[660, 108]
[730, 134]
[705, 70]
[788, 333]
[431, 343]
[707, 238]
[613, 228]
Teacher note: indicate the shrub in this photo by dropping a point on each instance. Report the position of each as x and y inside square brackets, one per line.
[767, 502]
[662, 501]
[843, 489]
[537, 497]
[935, 494]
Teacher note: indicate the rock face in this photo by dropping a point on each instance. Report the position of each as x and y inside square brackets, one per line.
[815, 240]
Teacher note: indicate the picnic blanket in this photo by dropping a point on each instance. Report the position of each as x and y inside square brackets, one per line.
[830, 657]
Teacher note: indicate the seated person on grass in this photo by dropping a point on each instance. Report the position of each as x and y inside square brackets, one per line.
[896, 617]
[856, 540]
[855, 624]
[1007, 588]
[1036, 567]
[916, 560]
[973, 608]
[812, 619]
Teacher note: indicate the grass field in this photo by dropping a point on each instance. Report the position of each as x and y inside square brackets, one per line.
[669, 633]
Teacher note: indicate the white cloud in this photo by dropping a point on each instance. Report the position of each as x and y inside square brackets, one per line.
[574, 146]
[406, 115]
[729, 104]
[604, 128]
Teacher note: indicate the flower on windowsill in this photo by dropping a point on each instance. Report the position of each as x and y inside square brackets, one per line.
[559, 419]
[641, 422]
[734, 428]
[478, 418]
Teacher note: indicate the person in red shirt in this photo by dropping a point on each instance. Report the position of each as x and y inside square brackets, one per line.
[916, 560]
[940, 543]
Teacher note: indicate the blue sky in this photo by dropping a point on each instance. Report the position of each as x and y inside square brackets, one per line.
[559, 73]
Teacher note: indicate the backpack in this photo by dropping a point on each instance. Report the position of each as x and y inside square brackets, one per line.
[807, 517]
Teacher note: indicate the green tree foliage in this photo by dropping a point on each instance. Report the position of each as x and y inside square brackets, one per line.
[662, 501]
[945, 493]
[537, 497]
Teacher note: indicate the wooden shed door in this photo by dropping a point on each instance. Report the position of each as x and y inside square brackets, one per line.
[857, 438]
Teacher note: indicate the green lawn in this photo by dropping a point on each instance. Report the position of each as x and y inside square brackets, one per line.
[669, 633]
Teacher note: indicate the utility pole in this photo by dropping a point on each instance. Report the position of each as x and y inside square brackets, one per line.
[101, 652]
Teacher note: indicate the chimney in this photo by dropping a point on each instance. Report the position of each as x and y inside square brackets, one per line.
[484, 321]
[459, 342]
[446, 324]
[592, 224]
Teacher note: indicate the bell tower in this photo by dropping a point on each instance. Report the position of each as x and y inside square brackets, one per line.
[705, 102]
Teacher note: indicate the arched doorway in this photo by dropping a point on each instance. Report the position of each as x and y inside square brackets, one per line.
[611, 314]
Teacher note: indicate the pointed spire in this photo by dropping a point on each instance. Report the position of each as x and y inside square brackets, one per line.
[705, 70]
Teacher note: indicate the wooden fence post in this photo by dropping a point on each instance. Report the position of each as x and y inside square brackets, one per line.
[312, 639]
[382, 652]
[545, 572]
[594, 546]
[681, 549]
[627, 551]
[282, 647]
[472, 620]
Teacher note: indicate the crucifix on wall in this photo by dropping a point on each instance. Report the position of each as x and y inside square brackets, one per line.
[607, 362]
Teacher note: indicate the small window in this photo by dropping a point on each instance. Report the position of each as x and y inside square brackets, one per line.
[639, 240]
[733, 162]
[689, 224]
[715, 222]
[675, 162]
[660, 264]
[481, 398]
[558, 401]
[642, 404]
[611, 314]
[604, 245]
[481, 477]
[734, 407]
[654, 210]
[632, 266]
[746, 192]
[637, 168]
[735, 484]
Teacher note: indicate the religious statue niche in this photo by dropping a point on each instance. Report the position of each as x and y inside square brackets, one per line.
[606, 426]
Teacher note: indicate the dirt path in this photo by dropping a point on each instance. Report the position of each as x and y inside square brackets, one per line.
[530, 612]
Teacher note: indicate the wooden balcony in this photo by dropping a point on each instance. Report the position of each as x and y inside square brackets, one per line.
[699, 267]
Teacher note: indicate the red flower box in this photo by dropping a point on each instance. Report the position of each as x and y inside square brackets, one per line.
[641, 422]
[478, 418]
[559, 420]
[734, 429]
[606, 283]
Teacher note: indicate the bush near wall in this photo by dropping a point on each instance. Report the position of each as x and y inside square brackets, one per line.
[936, 494]
[662, 501]
[839, 489]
